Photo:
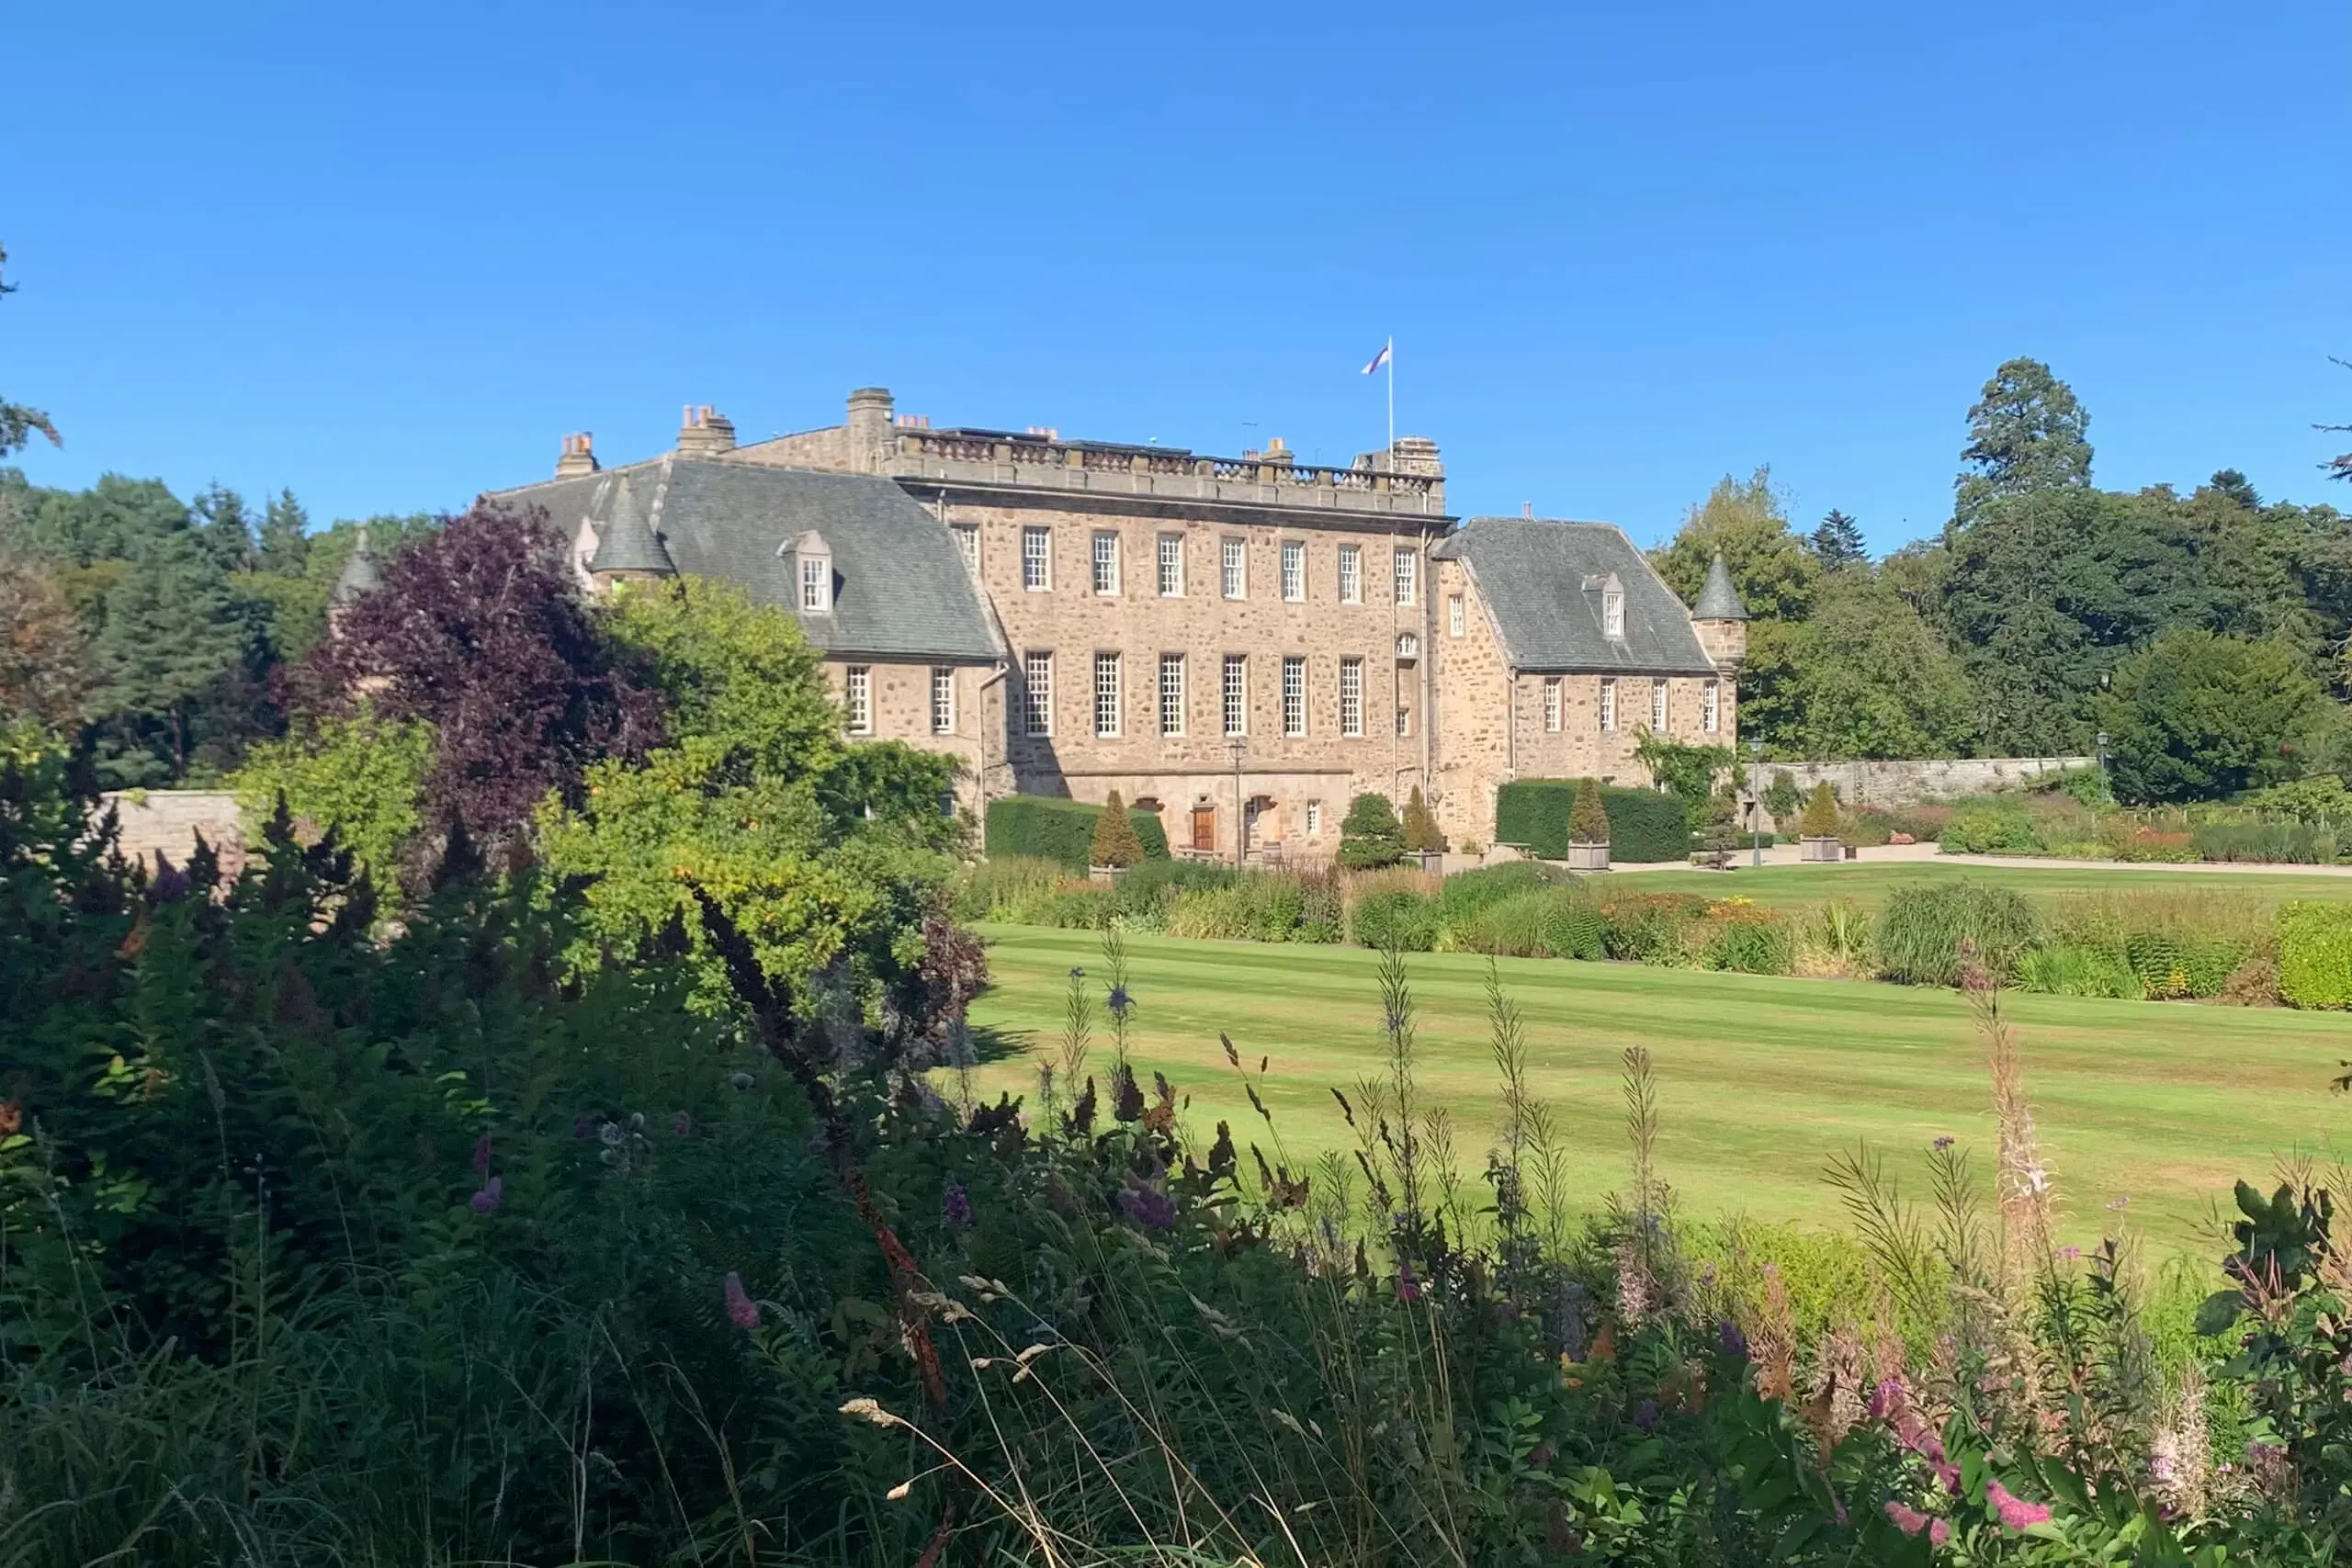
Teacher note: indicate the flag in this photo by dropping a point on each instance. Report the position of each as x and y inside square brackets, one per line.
[1379, 359]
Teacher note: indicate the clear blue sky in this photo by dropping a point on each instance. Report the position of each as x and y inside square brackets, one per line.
[389, 255]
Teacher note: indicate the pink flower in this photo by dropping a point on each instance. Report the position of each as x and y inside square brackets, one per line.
[486, 1202]
[742, 1310]
[1910, 1521]
[2016, 1513]
[1940, 1532]
[1886, 1398]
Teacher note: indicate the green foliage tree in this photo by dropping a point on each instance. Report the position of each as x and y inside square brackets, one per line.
[361, 778]
[1747, 520]
[1370, 836]
[1837, 542]
[1781, 797]
[1421, 828]
[1682, 770]
[178, 654]
[18, 424]
[1864, 677]
[45, 662]
[2195, 716]
[1587, 820]
[2026, 434]
[1820, 813]
[1115, 843]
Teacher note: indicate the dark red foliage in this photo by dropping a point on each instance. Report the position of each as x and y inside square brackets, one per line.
[481, 631]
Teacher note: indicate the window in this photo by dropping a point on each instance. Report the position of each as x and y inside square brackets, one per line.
[1294, 571]
[1612, 613]
[968, 539]
[1106, 562]
[1106, 694]
[1404, 719]
[1172, 566]
[1457, 619]
[1351, 574]
[1710, 708]
[1609, 704]
[859, 699]
[1237, 569]
[1294, 694]
[1314, 817]
[817, 583]
[1171, 694]
[1406, 562]
[1658, 706]
[1351, 697]
[1552, 704]
[942, 700]
[1036, 559]
[1038, 692]
[1236, 695]
[1409, 648]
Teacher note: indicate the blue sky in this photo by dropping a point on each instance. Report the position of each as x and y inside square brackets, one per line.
[389, 256]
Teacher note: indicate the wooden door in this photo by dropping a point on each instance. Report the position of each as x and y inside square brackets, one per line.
[1204, 829]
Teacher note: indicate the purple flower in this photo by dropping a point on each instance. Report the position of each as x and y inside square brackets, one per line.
[1910, 1521]
[742, 1310]
[1077, 974]
[1885, 1399]
[482, 1152]
[684, 1127]
[1646, 1416]
[1408, 1288]
[1118, 1001]
[1943, 1144]
[1734, 1343]
[493, 1194]
[957, 1204]
[2016, 1513]
[1147, 1205]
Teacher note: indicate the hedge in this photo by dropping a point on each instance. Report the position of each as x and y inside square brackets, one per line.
[1644, 824]
[2315, 954]
[1060, 831]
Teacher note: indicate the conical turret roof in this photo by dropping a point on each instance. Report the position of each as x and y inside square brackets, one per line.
[1719, 600]
[359, 572]
[629, 542]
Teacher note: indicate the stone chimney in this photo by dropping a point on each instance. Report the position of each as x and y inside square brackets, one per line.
[871, 436]
[579, 456]
[1417, 455]
[704, 433]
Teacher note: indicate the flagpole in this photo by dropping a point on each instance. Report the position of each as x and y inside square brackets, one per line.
[1392, 406]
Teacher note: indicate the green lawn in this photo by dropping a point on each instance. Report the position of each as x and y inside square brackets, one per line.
[1763, 1081]
[1869, 883]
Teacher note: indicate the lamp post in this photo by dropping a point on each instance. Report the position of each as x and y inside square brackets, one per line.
[1241, 812]
[1755, 803]
[2099, 754]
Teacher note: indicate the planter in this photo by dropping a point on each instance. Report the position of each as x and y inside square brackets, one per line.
[1810, 850]
[1588, 857]
[1428, 860]
[1106, 876]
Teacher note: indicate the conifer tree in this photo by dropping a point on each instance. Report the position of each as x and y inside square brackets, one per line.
[1370, 837]
[1820, 819]
[1421, 831]
[1115, 840]
[1587, 820]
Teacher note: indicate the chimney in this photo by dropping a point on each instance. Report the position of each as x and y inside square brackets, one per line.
[1417, 455]
[704, 433]
[579, 457]
[871, 436]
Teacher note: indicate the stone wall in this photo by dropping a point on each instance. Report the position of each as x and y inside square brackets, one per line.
[1893, 784]
[169, 821]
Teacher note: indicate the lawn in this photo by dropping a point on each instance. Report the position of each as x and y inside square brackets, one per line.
[1869, 883]
[1763, 1081]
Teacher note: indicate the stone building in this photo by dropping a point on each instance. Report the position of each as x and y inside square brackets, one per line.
[1240, 644]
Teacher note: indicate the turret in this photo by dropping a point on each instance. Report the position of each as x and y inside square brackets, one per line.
[360, 575]
[1721, 619]
[628, 550]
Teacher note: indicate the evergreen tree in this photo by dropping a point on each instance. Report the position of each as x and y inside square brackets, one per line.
[2026, 433]
[1820, 819]
[173, 636]
[1370, 837]
[1421, 828]
[17, 423]
[45, 664]
[1115, 840]
[1587, 820]
[1838, 542]
[1781, 799]
[220, 521]
[2194, 716]
[285, 535]
[2236, 487]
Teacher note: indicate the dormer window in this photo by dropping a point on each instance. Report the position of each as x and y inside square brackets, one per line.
[813, 573]
[1612, 610]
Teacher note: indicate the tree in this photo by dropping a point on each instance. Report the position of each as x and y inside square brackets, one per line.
[1781, 797]
[1837, 542]
[174, 641]
[2194, 716]
[2235, 488]
[45, 662]
[1820, 819]
[1421, 832]
[1747, 520]
[360, 778]
[1587, 820]
[1370, 836]
[18, 422]
[1864, 677]
[2026, 432]
[1115, 841]
[479, 630]
[285, 537]
[2337, 468]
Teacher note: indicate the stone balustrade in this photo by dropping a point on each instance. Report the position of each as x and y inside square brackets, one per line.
[1266, 479]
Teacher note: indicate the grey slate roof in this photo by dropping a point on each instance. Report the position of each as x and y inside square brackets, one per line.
[359, 571]
[1719, 600]
[1541, 581]
[627, 542]
[900, 587]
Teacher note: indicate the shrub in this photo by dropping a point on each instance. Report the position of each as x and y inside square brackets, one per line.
[1421, 828]
[2320, 799]
[2315, 954]
[1059, 830]
[1371, 837]
[2060, 969]
[1002, 889]
[1588, 822]
[1645, 825]
[1116, 842]
[1920, 932]
[1820, 814]
[1511, 927]
[1573, 926]
[2271, 843]
[1464, 895]
[1395, 918]
[1649, 926]
[1083, 908]
[1781, 799]
[1990, 828]
[1323, 907]
[1749, 940]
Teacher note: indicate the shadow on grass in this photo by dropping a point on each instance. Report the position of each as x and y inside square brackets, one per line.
[992, 1044]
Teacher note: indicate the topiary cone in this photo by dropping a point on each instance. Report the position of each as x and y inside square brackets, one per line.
[1587, 820]
[1115, 840]
[1421, 832]
[1820, 819]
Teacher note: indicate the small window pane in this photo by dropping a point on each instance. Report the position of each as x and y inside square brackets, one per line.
[1036, 559]
[1609, 704]
[816, 583]
[860, 700]
[1038, 692]
[1106, 694]
[1294, 571]
[1612, 614]
[1658, 706]
[943, 701]
[1456, 619]
[1552, 703]
[1172, 566]
[1710, 708]
[1351, 574]
[1171, 694]
[1407, 567]
[1236, 695]
[968, 539]
[1106, 563]
[1236, 569]
[1293, 694]
[1351, 697]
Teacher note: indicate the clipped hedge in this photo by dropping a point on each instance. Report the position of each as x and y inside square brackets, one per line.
[1645, 825]
[2315, 954]
[1395, 917]
[1059, 830]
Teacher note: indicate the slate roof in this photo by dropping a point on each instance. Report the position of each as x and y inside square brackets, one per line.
[1719, 600]
[626, 542]
[1541, 581]
[900, 587]
[359, 571]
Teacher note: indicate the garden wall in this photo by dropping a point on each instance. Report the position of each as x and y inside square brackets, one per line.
[169, 821]
[1893, 784]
